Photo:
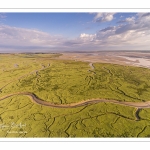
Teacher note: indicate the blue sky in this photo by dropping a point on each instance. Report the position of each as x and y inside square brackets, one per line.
[74, 31]
[66, 24]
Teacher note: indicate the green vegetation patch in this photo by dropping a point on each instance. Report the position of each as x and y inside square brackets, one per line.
[65, 82]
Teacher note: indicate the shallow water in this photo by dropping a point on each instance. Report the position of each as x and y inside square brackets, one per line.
[141, 61]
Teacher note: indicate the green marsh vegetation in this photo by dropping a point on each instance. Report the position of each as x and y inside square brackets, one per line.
[65, 82]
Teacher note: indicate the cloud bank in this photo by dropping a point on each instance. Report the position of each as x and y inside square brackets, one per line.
[132, 33]
[15, 38]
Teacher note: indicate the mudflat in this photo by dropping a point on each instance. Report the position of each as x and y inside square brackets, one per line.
[115, 57]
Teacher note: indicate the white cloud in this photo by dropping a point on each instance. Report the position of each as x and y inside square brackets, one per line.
[130, 19]
[26, 37]
[104, 17]
[134, 34]
[87, 37]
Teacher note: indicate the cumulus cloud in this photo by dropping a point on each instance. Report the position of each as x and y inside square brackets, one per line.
[104, 17]
[130, 19]
[127, 20]
[134, 33]
[139, 24]
[89, 37]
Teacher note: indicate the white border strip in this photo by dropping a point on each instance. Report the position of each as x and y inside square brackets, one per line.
[42, 10]
[74, 4]
[74, 140]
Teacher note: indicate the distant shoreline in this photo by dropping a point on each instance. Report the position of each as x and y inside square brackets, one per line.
[60, 51]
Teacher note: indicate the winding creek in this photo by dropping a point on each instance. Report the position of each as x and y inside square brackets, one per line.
[37, 100]
[34, 98]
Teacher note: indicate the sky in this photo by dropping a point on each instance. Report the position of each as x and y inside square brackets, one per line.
[46, 32]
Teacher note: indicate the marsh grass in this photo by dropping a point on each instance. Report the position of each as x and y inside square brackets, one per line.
[64, 82]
